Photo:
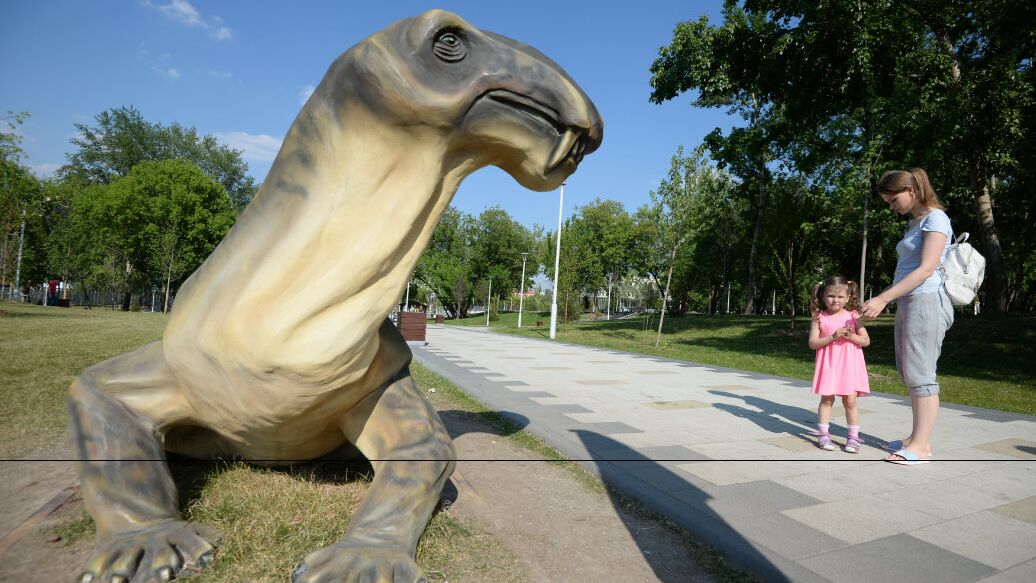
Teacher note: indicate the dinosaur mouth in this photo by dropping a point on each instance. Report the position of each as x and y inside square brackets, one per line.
[572, 142]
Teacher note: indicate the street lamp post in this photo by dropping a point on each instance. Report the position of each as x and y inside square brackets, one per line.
[489, 300]
[521, 294]
[557, 263]
[18, 264]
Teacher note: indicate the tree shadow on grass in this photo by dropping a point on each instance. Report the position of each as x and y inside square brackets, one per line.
[665, 491]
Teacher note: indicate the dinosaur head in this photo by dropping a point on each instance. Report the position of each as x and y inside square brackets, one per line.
[494, 101]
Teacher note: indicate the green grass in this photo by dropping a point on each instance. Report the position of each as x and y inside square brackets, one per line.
[985, 363]
[42, 350]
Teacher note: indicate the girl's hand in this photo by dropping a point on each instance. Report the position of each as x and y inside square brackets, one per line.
[872, 308]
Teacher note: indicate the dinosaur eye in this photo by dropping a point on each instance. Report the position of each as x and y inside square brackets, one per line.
[449, 47]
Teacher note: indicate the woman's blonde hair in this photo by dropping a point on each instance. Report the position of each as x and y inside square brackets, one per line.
[817, 301]
[916, 179]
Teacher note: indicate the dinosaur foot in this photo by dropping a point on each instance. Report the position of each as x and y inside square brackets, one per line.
[350, 562]
[160, 552]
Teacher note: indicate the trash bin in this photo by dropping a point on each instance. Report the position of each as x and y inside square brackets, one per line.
[440, 319]
[412, 326]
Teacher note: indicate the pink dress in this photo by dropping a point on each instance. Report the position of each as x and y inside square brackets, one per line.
[840, 368]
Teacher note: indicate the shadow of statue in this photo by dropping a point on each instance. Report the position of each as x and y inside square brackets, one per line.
[343, 465]
[667, 491]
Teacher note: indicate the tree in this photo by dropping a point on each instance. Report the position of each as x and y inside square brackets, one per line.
[860, 87]
[156, 224]
[674, 202]
[605, 232]
[446, 265]
[19, 204]
[122, 139]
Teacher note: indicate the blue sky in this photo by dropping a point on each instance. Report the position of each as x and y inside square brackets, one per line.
[241, 69]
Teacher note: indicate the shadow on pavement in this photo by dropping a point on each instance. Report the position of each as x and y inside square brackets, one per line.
[628, 473]
[779, 418]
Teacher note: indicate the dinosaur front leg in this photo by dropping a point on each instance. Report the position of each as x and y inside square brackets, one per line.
[412, 455]
[126, 485]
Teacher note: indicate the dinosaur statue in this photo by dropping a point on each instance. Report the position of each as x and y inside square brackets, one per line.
[255, 364]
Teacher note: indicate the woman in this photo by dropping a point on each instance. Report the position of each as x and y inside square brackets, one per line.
[923, 310]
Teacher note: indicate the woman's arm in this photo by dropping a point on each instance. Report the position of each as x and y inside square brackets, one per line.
[931, 253]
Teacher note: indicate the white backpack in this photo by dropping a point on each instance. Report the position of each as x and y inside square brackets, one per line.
[962, 270]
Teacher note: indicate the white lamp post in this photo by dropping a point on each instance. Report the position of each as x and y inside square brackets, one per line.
[557, 263]
[521, 294]
[489, 300]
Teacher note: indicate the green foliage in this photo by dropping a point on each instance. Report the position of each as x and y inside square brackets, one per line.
[151, 227]
[837, 92]
[465, 252]
[122, 139]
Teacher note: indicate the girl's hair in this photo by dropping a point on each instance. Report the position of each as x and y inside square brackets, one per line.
[915, 179]
[817, 301]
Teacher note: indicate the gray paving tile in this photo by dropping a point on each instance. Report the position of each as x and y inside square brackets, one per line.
[671, 453]
[567, 408]
[665, 479]
[609, 428]
[1024, 573]
[759, 498]
[988, 537]
[784, 536]
[537, 394]
[895, 558]
[1024, 509]
[1021, 448]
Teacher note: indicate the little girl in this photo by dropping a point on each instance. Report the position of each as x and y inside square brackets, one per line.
[838, 336]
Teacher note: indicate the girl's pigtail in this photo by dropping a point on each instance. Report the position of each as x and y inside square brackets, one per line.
[815, 304]
[854, 295]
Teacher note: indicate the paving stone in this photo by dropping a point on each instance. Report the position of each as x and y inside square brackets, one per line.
[1024, 509]
[1013, 481]
[550, 368]
[723, 473]
[792, 443]
[656, 372]
[758, 498]
[674, 405]
[987, 537]
[946, 499]
[784, 536]
[600, 382]
[859, 520]
[895, 558]
[1024, 573]
[1021, 448]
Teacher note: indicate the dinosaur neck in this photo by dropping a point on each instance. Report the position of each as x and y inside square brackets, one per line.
[323, 253]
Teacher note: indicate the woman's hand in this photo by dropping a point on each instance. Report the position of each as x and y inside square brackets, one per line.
[873, 307]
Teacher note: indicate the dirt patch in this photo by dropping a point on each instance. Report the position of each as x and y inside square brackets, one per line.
[557, 528]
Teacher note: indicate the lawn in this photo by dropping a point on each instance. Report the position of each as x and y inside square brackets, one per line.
[984, 363]
[269, 518]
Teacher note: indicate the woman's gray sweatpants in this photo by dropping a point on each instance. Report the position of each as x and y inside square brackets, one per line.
[921, 323]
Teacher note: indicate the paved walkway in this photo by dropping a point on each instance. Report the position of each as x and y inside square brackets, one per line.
[730, 456]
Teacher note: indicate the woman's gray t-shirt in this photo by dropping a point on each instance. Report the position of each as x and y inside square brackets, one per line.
[909, 250]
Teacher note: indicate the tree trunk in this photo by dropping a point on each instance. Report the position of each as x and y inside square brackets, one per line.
[665, 295]
[168, 281]
[996, 301]
[752, 256]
